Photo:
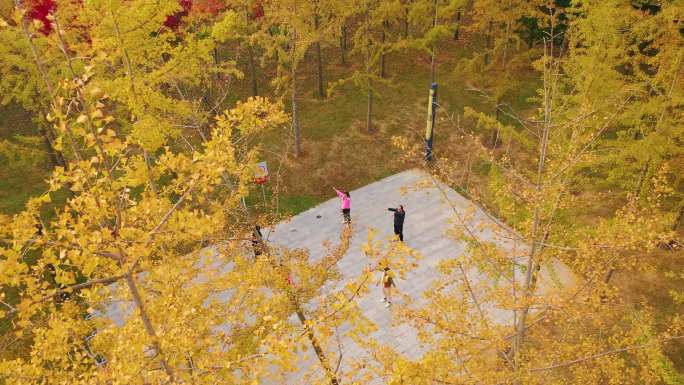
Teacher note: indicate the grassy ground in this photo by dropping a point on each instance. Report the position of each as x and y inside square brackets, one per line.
[23, 160]
[653, 288]
[337, 149]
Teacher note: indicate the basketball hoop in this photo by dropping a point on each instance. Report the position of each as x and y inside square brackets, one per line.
[261, 173]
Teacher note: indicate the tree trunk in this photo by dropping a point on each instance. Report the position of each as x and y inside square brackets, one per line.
[678, 220]
[295, 117]
[530, 40]
[149, 328]
[312, 338]
[56, 157]
[319, 62]
[496, 133]
[488, 44]
[530, 276]
[406, 22]
[69, 132]
[343, 45]
[637, 193]
[319, 59]
[609, 275]
[458, 25]
[369, 84]
[252, 70]
[132, 80]
[382, 48]
[369, 113]
[642, 177]
[150, 178]
[504, 57]
[294, 301]
[434, 48]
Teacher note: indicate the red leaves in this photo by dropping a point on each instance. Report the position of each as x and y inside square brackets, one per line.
[173, 21]
[40, 10]
[257, 10]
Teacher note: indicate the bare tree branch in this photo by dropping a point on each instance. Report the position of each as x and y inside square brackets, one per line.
[74, 288]
[602, 354]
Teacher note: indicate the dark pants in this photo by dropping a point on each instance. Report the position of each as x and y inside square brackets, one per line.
[346, 213]
[400, 232]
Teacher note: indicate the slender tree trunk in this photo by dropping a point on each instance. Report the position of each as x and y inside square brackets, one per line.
[530, 273]
[294, 301]
[458, 25]
[319, 59]
[382, 50]
[343, 44]
[369, 105]
[131, 78]
[69, 132]
[314, 343]
[434, 48]
[216, 57]
[642, 178]
[149, 328]
[252, 69]
[637, 194]
[56, 157]
[150, 178]
[369, 111]
[406, 22]
[496, 133]
[319, 62]
[295, 116]
[609, 275]
[504, 56]
[369, 83]
[530, 40]
[488, 44]
[678, 220]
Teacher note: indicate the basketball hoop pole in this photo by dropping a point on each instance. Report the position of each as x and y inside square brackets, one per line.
[432, 112]
[263, 192]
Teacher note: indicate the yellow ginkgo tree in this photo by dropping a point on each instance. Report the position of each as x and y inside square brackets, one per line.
[117, 240]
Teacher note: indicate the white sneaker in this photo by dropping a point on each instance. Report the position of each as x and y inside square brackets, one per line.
[383, 300]
[388, 304]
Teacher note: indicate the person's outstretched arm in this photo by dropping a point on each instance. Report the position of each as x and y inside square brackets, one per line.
[391, 209]
[339, 193]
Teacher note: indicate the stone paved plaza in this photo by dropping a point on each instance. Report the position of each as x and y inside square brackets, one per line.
[431, 209]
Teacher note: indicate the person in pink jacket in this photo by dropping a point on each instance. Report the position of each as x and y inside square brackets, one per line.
[346, 205]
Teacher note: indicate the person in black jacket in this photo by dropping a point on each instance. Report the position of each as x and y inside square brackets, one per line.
[399, 215]
[257, 241]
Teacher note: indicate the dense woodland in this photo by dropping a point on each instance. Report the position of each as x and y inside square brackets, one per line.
[129, 135]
